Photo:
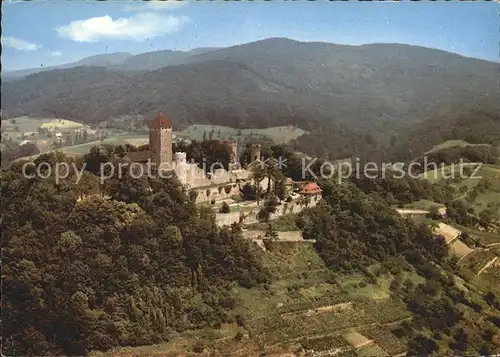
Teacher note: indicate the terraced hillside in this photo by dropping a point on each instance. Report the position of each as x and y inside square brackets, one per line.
[305, 308]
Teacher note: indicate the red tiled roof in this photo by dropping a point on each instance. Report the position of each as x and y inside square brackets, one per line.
[310, 188]
[161, 121]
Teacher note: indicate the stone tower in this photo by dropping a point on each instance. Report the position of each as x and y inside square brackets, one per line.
[160, 141]
[181, 167]
[255, 152]
[233, 146]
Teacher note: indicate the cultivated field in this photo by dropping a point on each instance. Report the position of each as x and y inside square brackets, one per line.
[460, 249]
[132, 139]
[26, 125]
[384, 338]
[357, 340]
[448, 232]
[22, 124]
[60, 124]
[279, 134]
[371, 351]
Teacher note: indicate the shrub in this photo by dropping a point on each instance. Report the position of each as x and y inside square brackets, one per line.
[208, 192]
[224, 208]
[227, 189]
[193, 194]
[199, 346]
[240, 321]
[434, 212]
[495, 320]
[239, 336]
[289, 199]
[219, 189]
[213, 201]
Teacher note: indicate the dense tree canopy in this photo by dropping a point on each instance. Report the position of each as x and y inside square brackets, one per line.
[353, 230]
[93, 273]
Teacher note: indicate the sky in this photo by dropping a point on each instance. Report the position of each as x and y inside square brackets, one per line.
[47, 33]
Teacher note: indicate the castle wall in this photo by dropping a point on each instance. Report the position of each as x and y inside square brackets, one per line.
[296, 206]
[219, 192]
[255, 152]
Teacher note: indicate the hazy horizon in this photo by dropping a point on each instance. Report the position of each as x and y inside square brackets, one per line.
[239, 44]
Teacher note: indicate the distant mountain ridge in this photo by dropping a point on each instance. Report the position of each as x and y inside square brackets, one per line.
[122, 61]
[380, 89]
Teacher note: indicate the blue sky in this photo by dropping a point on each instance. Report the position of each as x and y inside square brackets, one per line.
[55, 32]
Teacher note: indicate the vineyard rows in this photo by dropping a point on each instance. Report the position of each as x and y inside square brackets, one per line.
[311, 304]
[347, 353]
[387, 310]
[385, 339]
[276, 329]
[326, 343]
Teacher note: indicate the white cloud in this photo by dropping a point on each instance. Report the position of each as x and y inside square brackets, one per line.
[155, 5]
[19, 44]
[56, 53]
[138, 27]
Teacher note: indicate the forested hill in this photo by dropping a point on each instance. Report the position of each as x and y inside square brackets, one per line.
[379, 88]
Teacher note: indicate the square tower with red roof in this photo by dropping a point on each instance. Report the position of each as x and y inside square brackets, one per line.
[160, 141]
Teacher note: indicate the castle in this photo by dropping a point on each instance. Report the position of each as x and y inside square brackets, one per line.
[162, 157]
[218, 185]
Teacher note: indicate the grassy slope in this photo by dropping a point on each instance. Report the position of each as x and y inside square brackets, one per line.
[423, 205]
[486, 199]
[451, 144]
